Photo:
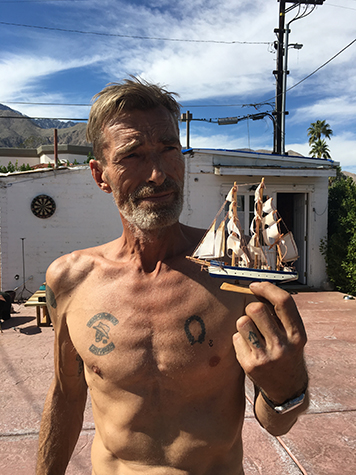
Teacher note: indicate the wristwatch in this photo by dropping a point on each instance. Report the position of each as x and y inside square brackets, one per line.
[286, 406]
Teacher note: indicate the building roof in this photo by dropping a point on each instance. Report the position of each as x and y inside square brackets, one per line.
[237, 162]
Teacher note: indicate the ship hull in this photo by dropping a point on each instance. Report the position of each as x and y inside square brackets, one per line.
[246, 273]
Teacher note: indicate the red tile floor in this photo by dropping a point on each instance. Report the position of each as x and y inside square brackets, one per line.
[323, 442]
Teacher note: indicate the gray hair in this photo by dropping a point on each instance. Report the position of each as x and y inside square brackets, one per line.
[131, 94]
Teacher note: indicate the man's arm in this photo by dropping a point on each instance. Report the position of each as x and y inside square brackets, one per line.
[62, 417]
[269, 346]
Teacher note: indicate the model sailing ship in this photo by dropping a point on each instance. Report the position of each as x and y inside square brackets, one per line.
[268, 255]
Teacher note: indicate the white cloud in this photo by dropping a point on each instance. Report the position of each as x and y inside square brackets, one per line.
[22, 74]
[197, 71]
[201, 70]
[342, 149]
[222, 141]
[336, 109]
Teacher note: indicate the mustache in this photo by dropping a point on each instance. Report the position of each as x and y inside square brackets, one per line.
[147, 190]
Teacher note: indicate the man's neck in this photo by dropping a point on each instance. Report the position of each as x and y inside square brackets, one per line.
[150, 248]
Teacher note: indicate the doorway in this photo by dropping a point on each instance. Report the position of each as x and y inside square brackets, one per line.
[293, 209]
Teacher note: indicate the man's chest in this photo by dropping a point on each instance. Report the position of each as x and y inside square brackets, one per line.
[152, 330]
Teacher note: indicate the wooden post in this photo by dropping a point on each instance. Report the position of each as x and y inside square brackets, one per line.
[55, 146]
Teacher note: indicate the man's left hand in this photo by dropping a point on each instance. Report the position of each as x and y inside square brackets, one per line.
[270, 341]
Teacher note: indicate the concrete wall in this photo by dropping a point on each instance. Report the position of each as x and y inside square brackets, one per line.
[21, 156]
[44, 154]
[84, 217]
[66, 153]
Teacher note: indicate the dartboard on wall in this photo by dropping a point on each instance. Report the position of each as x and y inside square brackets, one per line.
[43, 206]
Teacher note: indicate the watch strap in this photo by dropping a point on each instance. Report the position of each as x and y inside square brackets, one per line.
[287, 406]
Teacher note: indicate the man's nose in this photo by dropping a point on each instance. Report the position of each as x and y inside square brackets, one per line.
[157, 174]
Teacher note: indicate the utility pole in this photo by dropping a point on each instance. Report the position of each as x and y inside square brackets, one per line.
[187, 117]
[277, 143]
[282, 70]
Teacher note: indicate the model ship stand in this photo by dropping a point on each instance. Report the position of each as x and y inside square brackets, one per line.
[268, 255]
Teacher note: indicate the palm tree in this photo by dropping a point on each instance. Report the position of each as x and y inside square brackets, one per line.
[317, 129]
[320, 149]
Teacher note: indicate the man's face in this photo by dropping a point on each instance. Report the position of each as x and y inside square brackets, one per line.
[145, 167]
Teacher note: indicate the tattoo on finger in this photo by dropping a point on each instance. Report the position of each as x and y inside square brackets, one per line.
[254, 339]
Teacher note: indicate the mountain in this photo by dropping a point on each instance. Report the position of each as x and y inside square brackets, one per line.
[352, 175]
[53, 123]
[18, 130]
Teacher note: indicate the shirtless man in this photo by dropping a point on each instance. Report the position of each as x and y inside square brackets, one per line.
[163, 351]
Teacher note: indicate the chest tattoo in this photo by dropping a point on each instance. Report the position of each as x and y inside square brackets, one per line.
[102, 323]
[194, 328]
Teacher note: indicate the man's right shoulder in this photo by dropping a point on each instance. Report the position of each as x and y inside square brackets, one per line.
[70, 270]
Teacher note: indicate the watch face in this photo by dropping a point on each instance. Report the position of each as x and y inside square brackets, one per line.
[43, 206]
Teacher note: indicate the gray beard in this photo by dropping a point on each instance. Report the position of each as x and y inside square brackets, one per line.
[156, 216]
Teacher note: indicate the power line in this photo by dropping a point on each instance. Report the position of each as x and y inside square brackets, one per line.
[339, 6]
[136, 36]
[39, 1]
[46, 104]
[320, 67]
[202, 105]
[89, 105]
[39, 118]
[309, 75]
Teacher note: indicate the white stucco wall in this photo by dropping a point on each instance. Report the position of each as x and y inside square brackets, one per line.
[84, 217]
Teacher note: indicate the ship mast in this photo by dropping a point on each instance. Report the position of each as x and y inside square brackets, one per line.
[234, 214]
[258, 220]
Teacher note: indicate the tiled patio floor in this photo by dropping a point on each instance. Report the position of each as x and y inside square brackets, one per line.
[323, 442]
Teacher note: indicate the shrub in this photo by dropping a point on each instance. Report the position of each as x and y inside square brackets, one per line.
[11, 168]
[339, 249]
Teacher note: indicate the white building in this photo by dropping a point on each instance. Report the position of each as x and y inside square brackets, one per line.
[44, 155]
[299, 186]
[76, 214]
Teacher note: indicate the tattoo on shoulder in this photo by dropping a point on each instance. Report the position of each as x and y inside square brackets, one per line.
[194, 328]
[102, 323]
[50, 298]
[80, 364]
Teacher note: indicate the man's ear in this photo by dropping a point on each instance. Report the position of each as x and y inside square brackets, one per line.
[98, 173]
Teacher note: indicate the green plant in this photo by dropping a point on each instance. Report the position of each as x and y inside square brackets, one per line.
[339, 249]
[11, 168]
[319, 147]
[90, 157]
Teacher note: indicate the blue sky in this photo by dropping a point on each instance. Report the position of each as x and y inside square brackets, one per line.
[223, 60]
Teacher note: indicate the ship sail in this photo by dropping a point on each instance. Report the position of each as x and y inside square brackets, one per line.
[213, 244]
[235, 243]
[289, 248]
[268, 254]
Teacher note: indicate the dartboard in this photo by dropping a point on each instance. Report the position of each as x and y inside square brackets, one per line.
[43, 206]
